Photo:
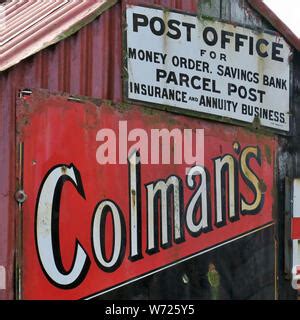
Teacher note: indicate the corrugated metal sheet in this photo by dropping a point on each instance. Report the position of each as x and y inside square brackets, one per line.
[28, 26]
[190, 6]
[87, 63]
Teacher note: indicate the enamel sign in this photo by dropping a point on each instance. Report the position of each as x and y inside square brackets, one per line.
[208, 67]
[96, 218]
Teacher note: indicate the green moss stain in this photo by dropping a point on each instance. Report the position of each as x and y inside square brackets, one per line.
[206, 2]
[262, 186]
[256, 123]
[268, 154]
[213, 278]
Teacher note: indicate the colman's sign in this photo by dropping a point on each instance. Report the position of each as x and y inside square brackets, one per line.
[95, 220]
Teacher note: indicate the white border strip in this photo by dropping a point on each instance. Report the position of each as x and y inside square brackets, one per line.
[2, 278]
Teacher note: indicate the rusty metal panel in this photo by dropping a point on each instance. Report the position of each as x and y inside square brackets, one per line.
[239, 11]
[31, 26]
[212, 8]
[87, 63]
[96, 219]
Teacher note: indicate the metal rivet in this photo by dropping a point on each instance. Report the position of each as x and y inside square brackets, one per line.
[21, 196]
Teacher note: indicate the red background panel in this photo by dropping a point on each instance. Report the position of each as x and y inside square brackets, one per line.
[58, 131]
[295, 228]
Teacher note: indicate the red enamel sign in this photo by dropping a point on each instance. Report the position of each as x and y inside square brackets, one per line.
[95, 219]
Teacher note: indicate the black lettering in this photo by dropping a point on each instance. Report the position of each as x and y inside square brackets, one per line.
[189, 27]
[173, 26]
[139, 20]
[225, 38]
[276, 52]
[162, 28]
[131, 53]
[213, 32]
[238, 42]
[259, 43]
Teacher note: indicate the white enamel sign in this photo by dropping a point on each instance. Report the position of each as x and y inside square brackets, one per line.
[207, 66]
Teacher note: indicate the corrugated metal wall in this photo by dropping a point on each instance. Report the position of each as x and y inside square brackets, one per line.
[191, 6]
[87, 63]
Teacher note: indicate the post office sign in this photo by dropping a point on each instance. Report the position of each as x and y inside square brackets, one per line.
[210, 67]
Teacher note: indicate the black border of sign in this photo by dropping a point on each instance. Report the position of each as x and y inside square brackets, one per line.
[147, 274]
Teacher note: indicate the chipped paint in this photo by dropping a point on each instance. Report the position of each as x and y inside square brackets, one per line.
[268, 153]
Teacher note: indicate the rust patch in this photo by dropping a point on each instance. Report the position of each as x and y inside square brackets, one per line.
[64, 169]
[256, 123]
[262, 186]
[268, 154]
[133, 195]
